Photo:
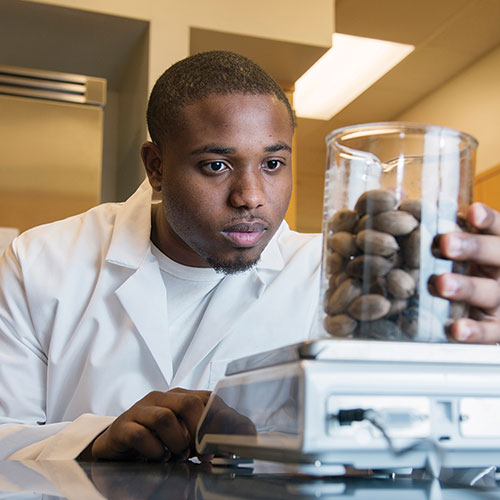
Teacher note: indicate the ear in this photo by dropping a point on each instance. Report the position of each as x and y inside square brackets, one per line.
[151, 157]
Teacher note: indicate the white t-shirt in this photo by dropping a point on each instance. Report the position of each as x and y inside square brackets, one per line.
[189, 290]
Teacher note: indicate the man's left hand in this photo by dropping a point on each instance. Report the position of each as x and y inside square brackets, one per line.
[482, 288]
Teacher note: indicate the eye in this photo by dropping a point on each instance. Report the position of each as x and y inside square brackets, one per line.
[273, 164]
[215, 167]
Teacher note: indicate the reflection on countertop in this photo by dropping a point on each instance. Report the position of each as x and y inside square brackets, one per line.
[141, 480]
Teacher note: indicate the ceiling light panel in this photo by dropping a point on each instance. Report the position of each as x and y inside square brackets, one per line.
[345, 71]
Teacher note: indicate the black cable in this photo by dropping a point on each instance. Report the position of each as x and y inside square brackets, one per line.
[347, 417]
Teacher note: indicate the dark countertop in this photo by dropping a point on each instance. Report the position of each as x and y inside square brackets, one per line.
[130, 481]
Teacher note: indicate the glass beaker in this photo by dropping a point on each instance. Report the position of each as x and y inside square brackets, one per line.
[390, 188]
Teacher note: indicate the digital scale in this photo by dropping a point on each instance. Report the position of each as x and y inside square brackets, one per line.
[325, 404]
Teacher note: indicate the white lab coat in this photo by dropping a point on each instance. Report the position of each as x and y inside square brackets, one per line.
[84, 324]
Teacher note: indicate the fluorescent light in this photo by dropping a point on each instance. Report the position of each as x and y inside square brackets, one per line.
[352, 65]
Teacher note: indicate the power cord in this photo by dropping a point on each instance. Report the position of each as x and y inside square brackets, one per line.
[347, 417]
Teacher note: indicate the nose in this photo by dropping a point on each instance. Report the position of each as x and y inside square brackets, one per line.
[247, 191]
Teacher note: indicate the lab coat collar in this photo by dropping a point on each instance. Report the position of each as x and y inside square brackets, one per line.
[142, 294]
[271, 258]
[130, 241]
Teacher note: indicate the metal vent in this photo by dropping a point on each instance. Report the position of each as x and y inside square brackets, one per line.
[53, 86]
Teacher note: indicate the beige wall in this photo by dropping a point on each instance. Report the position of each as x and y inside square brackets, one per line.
[310, 179]
[300, 21]
[469, 102]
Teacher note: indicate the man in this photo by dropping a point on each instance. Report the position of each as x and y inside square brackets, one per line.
[101, 309]
[127, 301]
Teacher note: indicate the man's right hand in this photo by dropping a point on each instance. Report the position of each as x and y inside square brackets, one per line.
[159, 426]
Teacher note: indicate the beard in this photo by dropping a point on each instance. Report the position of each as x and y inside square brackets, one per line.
[235, 266]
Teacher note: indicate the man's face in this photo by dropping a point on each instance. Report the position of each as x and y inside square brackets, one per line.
[226, 180]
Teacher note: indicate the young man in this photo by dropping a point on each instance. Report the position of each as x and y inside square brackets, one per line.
[103, 313]
[98, 310]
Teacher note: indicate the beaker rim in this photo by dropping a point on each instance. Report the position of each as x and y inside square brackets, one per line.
[398, 126]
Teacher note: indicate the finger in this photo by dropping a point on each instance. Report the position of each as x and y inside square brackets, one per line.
[484, 271]
[484, 218]
[187, 405]
[476, 332]
[480, 248]
[479, 292]
[134, 440]
[203, 395]
[143, 442]
[164, 423]
[190, 410]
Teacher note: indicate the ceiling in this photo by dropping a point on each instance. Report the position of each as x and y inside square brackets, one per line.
[449, 36]
[285, 61]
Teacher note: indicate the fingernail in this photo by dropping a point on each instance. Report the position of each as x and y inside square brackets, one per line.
[450, 286]
[481, 214]
[455, 246]
[464, 332]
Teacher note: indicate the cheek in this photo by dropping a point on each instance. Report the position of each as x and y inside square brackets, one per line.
[282, 194]
[191, 202]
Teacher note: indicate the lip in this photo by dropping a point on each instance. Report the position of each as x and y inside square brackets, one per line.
[245, 234]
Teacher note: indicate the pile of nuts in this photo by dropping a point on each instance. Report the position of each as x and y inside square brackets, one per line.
[372, 265]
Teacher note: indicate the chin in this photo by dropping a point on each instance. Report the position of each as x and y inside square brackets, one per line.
[240, 264]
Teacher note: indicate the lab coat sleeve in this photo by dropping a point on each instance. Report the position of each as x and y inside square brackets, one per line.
[24, 433]
[60, 441]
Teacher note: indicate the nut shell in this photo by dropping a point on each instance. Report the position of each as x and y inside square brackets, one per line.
[395, 222]
[343, 220]
[411, 249]
[340, 325]
[400, 284]
[377, 242]
[343, 243]
[343, 296]
[369, 307]
[334, 263]
[413, 206]
[367, 266]
[375, 201]
[340, 278]
[397, 306]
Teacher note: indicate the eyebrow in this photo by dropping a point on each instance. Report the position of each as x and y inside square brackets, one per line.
[280, 146]
[221, 150]
[215, 149]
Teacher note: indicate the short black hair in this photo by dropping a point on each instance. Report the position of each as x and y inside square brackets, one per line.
[196, 77]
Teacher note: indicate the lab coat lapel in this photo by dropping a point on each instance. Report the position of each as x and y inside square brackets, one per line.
[222, 315]
[148, 311]
[142, 295]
